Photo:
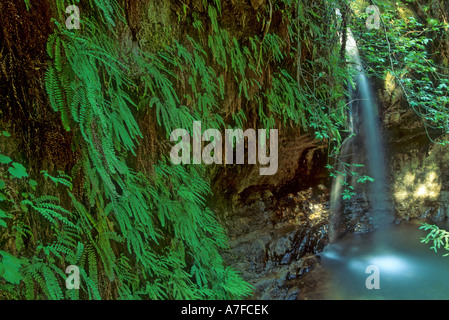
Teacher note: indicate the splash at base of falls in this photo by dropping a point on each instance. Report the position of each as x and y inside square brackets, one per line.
[408, 270]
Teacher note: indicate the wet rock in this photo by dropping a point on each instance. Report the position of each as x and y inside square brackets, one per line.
[314, 284]
[274, 240]
[301, 161]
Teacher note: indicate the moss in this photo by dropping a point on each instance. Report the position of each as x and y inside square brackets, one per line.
[157, 29]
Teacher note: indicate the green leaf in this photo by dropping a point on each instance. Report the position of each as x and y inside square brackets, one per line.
[32, 183]
[6, 134]
[4, 159]
[9, 268]
[3, 215]
[18, 171]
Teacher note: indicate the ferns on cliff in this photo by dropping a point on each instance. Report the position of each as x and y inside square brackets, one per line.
[157, 226]
[134, 235]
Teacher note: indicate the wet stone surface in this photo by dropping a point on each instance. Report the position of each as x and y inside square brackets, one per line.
[274, 241]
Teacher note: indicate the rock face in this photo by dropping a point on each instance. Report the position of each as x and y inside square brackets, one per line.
[273, 240]
[418, 176]
[419, 173]
[300, 164]
[419, 167]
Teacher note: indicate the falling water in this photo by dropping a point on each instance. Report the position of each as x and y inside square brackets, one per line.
[381, 207]
[364, 145]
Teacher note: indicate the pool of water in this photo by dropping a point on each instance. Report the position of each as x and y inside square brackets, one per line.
[392, 262]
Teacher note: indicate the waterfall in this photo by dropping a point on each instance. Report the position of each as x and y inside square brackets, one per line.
[363, 146]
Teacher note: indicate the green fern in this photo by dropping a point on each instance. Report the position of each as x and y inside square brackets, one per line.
[136, 235]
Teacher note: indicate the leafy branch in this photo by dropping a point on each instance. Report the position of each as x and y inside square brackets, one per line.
[439, 238]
